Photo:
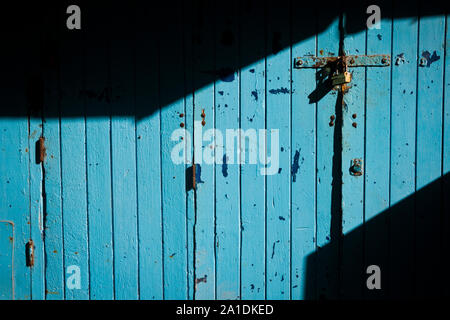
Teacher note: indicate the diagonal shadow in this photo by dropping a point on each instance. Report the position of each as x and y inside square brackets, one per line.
[26, 66]
[409, 242]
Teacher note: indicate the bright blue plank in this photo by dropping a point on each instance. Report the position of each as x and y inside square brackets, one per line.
[14, 153]
[252, 95]
[428, 154]
[446, 152]
[352, 186]
[377, 151]
[204, 233]
[327, 276]
[403, 146]
[123, 155]
[189, 122]
[73, 163]
[54, 271]
[98, 156]
[7, 260]
[278, 172]
[148, 156]
[173, 174]
[303, 157]
[228, 225]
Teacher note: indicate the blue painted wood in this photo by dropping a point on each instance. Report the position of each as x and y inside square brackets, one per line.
[227, 154]
[173, 174]
[205, 226]
[278, 123]
[303, 159]
[377, 152]
[429, 153]
[252, 115]
[7, 260]
[15, 161]
[148, 157]
[188, 10]
[123, 155]
[352, 186]
[73, 163]
[54, 250]
[97, 94]
[446, 151]
[327, 276]
[403, 146]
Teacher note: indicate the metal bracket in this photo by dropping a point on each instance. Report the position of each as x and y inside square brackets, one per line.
[377, 60]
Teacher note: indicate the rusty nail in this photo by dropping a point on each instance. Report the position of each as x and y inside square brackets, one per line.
[332, 117]
[182, 124]
[181, 115]
[354, 124]
[383, 60]
[331, 123]
[352, 61]
[354, 116]
[203, 122]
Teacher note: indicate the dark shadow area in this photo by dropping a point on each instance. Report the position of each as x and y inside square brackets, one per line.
[106, 58]
[409, 242]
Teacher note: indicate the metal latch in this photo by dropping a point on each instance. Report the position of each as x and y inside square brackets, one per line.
[377, 60]
[29, 248]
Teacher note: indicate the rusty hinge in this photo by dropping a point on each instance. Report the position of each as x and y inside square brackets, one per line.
[41, 152]
[376, 60]
[29, 248]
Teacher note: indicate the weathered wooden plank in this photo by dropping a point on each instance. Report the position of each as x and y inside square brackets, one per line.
[403, 148]
[227, 153]
[98, 95]
[278, 98]
[204, 75]
[429, 269]
[353, 115]
[377, 153]
[123, 154]
[148, 154]
[446, 154]
[252, 115]
[54, 249]
[173, 171]
[328, 189]
[303, 156]
[73, 161]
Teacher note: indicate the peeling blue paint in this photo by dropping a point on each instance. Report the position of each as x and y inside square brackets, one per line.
[225, 166]
[278, 91]
[430, 57]
[295, 165]
[255, 95]
[198, 174]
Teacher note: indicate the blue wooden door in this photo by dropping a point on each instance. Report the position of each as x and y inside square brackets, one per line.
[176, 151]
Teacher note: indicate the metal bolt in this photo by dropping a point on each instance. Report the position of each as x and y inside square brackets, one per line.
[299, 62]
[423, 62]
[384, 60]
[352, 61]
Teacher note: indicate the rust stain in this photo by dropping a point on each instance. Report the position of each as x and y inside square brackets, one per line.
[42, 149]
[51, 292]
[11, 239]
[30, 253]
[199, 280]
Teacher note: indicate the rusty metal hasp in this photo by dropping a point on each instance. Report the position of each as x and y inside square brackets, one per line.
[377, 60]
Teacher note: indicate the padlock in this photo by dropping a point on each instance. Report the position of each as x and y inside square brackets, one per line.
[341, 78]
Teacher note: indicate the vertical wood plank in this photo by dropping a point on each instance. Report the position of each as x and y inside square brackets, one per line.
[123, 153]
[303, 155]
[204, 69]
[148, 154]
[227, 153]
[278, 100]
[54, 249]
[73, 159]
[352, 186]
[328, 194]
[377, 152]
[252, 115]
[173, 173]
[403, 146]
[97, 93]
[428, 153]
[189, 122]
[15, 157]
